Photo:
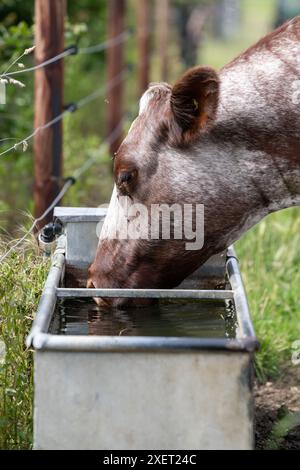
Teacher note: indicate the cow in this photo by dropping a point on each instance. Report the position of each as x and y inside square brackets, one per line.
[226, 140]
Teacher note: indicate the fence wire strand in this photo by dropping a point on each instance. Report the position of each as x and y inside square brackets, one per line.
[102, 46]
[58, 57]
[116, 133]
[120, 39]
[83, 102]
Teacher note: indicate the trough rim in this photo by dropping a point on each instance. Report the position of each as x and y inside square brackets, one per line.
[40, 339]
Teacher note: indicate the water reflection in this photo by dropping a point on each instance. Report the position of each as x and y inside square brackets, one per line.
[181, 318]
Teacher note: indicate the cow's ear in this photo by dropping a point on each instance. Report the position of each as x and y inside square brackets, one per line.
[194, 103]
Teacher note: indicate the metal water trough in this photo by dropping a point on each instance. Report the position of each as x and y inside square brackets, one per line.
[114, 392]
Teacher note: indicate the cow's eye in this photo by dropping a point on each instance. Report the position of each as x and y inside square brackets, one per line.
[125, 177]
[125, 181]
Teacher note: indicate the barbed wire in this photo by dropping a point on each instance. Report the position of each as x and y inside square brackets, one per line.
[73, 50]
[56, 58]
[109, 43]
[102, 90]
[71, 109]
[24, 142]
[113, 137]
[115, 134]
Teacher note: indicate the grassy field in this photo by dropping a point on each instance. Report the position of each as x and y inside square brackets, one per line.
[270, 260]
[21, 280]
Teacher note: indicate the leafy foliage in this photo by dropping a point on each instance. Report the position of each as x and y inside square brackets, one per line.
[21, 280]
[270, 260]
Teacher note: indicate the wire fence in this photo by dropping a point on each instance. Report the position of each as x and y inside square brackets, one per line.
[96, 155]
[72, 50]
[120, 39]
[71, 109]
[54, 59]
[116, 133]
[113, 137]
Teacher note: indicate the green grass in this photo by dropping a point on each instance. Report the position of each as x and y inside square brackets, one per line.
[270, 260]
[21, 281]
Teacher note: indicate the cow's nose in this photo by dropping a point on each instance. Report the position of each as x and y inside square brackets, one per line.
[102, 302]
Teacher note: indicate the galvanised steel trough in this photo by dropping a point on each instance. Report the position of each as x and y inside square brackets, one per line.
[138, 391]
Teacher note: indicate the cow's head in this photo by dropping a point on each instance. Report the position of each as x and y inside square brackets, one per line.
[168, 157]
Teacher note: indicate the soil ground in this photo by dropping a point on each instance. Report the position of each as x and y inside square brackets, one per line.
[276, 403]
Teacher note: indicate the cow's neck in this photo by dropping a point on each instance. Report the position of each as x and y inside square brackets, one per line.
[259, 120]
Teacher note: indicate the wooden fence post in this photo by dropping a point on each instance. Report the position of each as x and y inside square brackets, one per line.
[115, 66]
[144, 42]
[49, 40]
[162, 20]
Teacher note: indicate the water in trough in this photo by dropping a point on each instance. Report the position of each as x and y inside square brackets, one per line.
[202, 319]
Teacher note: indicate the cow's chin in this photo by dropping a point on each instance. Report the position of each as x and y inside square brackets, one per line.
[121, 303]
